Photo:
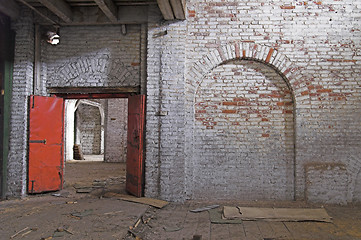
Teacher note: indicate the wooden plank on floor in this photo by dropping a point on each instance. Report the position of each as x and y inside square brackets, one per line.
[265, 229]
[219, 231]
[189, 226]
[251, 230]
[203, 225]
[301, 230]
[236, 232]
[280, 230]
[170, 222]
[330, 231]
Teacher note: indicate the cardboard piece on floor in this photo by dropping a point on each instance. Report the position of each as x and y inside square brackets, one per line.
[215, 216]
[277, 214]
[143, 200]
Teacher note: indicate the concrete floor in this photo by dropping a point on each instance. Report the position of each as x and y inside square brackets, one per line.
[176, 222]
[72, 215]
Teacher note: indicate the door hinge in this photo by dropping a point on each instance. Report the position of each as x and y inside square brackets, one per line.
[32, 186]
[38, 141]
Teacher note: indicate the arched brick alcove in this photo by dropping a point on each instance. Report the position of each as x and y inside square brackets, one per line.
[241, 101]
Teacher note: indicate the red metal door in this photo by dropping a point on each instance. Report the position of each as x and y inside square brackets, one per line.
[135, 164]
[45, 144]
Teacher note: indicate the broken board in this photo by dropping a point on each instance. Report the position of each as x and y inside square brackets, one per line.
[143, 200]
[277, 214]
[215, 216]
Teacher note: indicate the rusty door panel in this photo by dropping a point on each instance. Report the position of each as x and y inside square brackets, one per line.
[45, 167]
[135, 161]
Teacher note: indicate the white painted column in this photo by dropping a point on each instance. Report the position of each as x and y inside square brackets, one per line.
[69, 128]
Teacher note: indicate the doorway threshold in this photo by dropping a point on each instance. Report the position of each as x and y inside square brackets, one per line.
[89, 158]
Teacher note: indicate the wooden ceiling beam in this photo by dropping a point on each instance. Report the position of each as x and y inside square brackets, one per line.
[177, 7]
[166, 9]
[109, 9]
[59, 8]
[9, 8]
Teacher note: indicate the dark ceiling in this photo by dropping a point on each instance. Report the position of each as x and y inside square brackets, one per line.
[88, 12]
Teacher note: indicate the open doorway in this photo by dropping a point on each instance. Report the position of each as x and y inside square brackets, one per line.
[46, 143]
[95, 140]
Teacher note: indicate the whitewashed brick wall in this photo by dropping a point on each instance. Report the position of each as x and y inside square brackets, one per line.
[243, 134]
[116, 130]
[94, 56]
[88, 124]
[164, 164]
[314, 46]
[87, 56]
[22, 87]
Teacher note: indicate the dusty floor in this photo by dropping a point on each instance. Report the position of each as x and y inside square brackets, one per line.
[89, 215]
[177, 222]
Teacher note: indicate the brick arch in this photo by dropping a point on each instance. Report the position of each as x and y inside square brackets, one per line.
[249, 51]
[228, 53]
[89, 70]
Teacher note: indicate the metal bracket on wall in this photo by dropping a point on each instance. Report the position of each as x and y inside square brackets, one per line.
[161, 113]
[160, 34]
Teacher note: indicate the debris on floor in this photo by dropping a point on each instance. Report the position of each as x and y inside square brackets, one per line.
[276, 214]
[215, 216]
[113, 213]
[61, 232]
[23, 232]
[142, 225]
[172, 229]
[82, 214]
[19, 232]
[143, 200]
[99, 184]
[204, 208]
[61, 193]
[83, 188]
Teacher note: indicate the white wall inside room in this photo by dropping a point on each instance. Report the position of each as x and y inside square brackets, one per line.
[116, 125]
[89, 124]
[69, 133]
[110, 116]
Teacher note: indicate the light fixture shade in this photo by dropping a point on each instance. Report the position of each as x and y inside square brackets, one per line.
[52, 38]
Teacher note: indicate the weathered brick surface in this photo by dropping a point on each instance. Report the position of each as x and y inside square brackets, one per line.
[326, 183]
[88, 129]
[22, 87]
[165, 112]
[313, 46]
[116, 126]
[87, 56]
[244, 130]
[94, 56]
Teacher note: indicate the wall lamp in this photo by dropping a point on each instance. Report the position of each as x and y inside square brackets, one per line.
[52, 37]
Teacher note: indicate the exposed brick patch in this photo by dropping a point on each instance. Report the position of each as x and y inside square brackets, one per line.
[237, 105]
[341, 60]
[269, 55]
[287, 7]
[191, 13]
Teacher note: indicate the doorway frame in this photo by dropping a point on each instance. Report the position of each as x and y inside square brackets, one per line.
[103, 93]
